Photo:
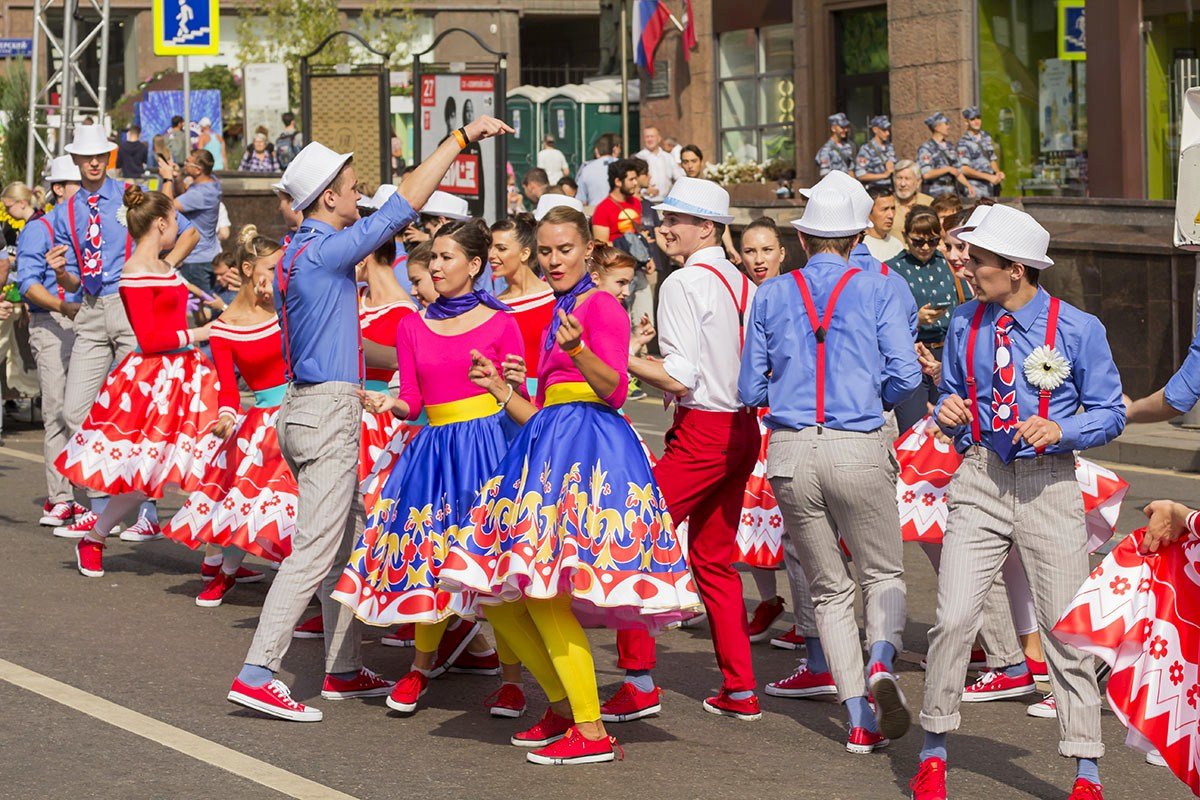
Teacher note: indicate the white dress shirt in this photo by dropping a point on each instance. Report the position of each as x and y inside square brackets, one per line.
[663, 172]
[698, 330]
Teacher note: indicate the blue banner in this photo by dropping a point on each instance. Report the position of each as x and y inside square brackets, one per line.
[10, 48]
[156, 109]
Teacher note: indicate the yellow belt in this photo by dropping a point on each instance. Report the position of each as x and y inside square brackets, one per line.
[478, 407]
[573, 392]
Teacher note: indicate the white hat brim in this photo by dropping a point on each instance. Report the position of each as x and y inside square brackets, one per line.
[799, 225]
[303, 203]
[75, 150]
[1002, 249]
[724, 219]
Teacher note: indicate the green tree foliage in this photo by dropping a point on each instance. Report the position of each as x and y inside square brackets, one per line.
[14, 124]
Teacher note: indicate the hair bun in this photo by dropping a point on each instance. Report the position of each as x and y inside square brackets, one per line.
[247, 234]
[134, 196]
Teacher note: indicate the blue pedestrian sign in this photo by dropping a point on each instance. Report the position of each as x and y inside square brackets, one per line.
[186, 27]
[13, 48]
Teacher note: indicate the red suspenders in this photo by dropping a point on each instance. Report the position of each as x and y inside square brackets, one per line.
[883, 269]
[285, 278]
[972, 337]
[821, 328]
[740, 306]
[50, 229]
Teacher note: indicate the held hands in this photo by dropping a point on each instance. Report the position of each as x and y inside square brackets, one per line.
[263, 290]
[224, 426]
[1168, 521]
[954, 412]
[643, 334]
[929, 365]
[376, 402]
[485, 128]
[570, 332]
[514, 370]
[1038, 432]
[201, 334]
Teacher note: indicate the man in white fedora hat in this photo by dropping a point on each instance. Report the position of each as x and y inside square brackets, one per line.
[829, 461]
[92, 225]
[52, 295]
[320, 416]
[1026, 380]
[711, 447]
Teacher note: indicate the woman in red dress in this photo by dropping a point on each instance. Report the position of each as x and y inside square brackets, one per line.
[150, 424]
[513, 257]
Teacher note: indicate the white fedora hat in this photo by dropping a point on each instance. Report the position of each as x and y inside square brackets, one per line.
[90, 140]
[838, 181]
[1014, 235]
[310, 173]
[376, 201]
[280, 188]
[698, 198]
[549, 201]
[829, 215]
[444, 204]
[62, 170]
[978, 214]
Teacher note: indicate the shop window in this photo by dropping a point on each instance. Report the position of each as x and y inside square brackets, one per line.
[1034, 103]
[756, 94]
[862, 89]
[1172, 67]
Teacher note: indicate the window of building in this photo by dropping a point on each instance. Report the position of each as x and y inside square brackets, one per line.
[1172, 39]
[1034, 104]
[862, 83]
[756, 99]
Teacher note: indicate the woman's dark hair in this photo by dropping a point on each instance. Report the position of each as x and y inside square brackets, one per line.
[204, 160]
[421, 254]
[922, 219]
[691, 148]
[143, 208]
[946, 204]
[472, 236]
[450, 110]
[386, 252]
[766, 224]
[524, 230]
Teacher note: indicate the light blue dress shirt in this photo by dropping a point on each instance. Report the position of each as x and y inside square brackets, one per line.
[201, 204]
[321, 321]
[113, 234]
[868, 330]
[1183, 390]
[32, 245]
[593, 180]
[1093, 384]
[861, 257]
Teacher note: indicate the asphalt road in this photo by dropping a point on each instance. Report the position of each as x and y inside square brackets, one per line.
[114, 688]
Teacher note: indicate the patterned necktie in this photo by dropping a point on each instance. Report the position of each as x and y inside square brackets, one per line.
[92, 269]
[1005, 415]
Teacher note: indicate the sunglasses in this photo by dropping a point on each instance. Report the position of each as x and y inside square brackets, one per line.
[920, 241]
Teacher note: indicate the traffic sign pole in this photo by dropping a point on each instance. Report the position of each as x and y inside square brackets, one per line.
[187, 104]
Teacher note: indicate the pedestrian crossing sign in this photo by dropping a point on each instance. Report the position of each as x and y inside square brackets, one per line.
[186, 27]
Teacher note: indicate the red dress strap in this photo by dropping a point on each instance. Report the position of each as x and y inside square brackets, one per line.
[739, 305]
[820, 327]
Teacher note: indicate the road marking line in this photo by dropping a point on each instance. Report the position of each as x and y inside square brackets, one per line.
[21, 454]
[177, 739]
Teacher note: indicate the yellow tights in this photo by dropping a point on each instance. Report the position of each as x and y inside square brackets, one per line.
[429, 635]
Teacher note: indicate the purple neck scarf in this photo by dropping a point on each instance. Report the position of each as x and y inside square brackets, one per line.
[450, 307]
[565, 302]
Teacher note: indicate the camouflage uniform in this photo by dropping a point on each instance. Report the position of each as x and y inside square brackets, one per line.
[833, 157]
[873, 160]
[932, 155]
[978, 153]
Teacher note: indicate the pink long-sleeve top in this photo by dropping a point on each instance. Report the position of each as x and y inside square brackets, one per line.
[434, 367]
[606, 333]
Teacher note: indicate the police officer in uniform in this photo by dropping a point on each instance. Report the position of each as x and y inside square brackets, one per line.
[837, 154]
[877, 158]
[977, 155]
[938, 161]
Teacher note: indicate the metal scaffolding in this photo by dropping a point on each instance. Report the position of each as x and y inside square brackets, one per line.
[49, 122]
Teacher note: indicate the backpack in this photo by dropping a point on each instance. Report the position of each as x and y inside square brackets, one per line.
[285, 148]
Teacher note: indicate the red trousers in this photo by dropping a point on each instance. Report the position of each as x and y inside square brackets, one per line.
[703, 475]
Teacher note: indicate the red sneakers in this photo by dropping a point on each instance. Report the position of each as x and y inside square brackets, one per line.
[1047, 708]
[89, 557]
[803, 683]
[486, 663]
[630, 703]
[891, 709]
[243, 574]
[1086, 790]
[792, 640]
[408, 691]
[1037, 669]
[215, 592]
[454, 644]
[930, 781]
[273, 698]
[58, 514]
[508, 701]
[863, 742]
[550, 728]
[573, 748]
[765, 613]
[404, 636]
[312, 628]
[364, 684]
[144, 530]
[725, 706]
[997, 686]
[83, 525]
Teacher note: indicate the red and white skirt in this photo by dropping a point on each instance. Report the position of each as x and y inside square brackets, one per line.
[148, 428]
[760, 531]
[247, 495]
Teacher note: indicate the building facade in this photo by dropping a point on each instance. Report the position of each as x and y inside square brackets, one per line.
[767, 73]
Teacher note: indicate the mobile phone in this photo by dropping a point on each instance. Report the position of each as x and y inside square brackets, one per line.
[942, 307]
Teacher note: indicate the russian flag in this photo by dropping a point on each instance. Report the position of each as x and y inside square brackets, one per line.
[650, 18]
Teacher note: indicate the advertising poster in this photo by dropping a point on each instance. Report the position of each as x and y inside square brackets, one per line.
[266, 99]
[447, 103]
[1056, 104]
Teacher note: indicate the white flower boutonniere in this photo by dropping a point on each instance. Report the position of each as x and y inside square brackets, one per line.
[1046, 368]
[123, 216]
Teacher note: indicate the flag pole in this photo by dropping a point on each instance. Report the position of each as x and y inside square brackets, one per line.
[626, 148]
